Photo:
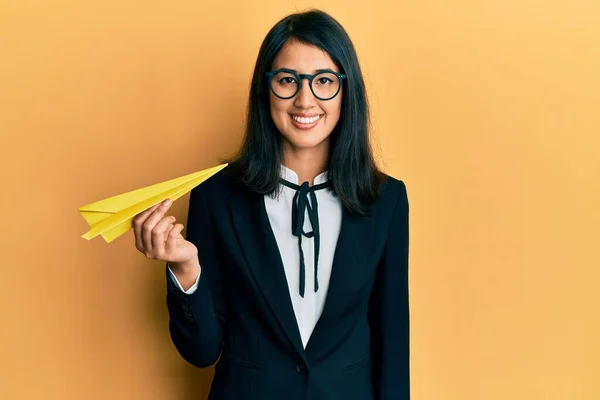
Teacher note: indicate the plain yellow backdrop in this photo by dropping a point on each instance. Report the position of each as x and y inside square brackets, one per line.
[489, 111]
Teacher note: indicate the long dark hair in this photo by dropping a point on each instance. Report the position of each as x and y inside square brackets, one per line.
[354, 177]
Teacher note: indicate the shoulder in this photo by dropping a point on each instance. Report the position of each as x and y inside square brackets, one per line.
[217, 188]
[393, 191]
[393, 209]
[393, 200]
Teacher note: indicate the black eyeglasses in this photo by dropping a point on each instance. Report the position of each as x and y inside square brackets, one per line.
[324, 85]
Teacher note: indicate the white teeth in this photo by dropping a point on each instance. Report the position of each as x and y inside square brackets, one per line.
[304, 120]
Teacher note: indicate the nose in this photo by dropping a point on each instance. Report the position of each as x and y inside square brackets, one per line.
[304, 98]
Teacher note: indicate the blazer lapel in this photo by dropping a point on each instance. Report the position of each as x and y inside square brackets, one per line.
[258, 243]
[356, 245]
[352, 264]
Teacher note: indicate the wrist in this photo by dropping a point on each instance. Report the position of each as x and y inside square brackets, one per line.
[185, 267]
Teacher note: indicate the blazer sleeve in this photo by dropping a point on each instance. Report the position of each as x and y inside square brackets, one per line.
[192, 288]
[196, 320]
[389, 312]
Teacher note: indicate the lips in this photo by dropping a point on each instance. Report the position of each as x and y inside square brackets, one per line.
[305, 121]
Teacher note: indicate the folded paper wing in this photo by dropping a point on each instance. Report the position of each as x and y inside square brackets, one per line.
[113, 216]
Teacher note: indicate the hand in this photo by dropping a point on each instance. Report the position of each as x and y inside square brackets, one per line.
[159, 238]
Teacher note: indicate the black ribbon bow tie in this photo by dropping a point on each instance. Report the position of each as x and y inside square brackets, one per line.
[299, 208]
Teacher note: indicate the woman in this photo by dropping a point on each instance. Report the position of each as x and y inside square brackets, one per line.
[294, 269]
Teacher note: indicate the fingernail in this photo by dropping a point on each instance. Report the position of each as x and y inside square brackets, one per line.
[167, 202]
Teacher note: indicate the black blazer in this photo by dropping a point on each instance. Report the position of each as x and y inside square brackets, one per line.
[242, 310]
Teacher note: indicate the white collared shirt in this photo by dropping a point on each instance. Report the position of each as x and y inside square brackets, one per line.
[307, 309]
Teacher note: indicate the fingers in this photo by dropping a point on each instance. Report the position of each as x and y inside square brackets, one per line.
[175, 232]
[158, 235]
[137, 222]
[172, 237]
[145, 222]
[150, 222]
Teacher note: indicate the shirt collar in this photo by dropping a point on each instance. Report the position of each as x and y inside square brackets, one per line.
[290, 175]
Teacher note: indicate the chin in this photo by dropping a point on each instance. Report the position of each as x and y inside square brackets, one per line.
[297, 141]
[303, 137]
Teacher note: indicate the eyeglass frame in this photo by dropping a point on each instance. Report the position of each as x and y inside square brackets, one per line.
[309, 77]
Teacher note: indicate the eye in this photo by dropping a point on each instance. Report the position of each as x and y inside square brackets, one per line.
[287, 80]
[324, 81]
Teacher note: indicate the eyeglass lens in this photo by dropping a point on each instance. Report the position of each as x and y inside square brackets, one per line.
[324, 85]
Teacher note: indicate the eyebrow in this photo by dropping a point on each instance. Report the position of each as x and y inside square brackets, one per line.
[316, 71]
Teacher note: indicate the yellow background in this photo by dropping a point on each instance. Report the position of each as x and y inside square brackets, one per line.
[488, 110]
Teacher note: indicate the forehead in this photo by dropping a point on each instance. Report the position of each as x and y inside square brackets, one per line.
[302, 57]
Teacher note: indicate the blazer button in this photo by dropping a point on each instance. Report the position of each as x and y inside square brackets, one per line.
[301, 368]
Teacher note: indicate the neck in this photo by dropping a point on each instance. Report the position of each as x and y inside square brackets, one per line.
[307, 163]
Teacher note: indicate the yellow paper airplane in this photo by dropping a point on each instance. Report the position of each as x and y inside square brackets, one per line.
[113, 216]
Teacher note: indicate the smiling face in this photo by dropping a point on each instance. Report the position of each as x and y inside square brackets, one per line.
[304, 121]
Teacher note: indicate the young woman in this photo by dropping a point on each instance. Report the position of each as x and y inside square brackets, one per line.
[294, 270]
